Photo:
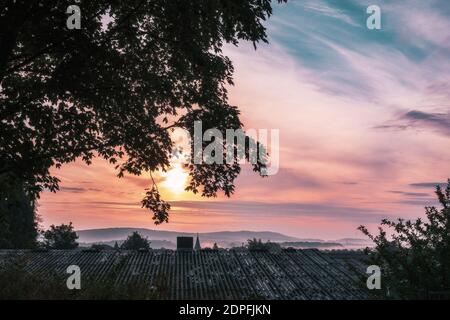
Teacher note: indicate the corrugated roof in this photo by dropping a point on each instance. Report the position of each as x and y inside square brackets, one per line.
[209, 274]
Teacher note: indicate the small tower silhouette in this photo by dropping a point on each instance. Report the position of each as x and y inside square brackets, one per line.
[197, 244]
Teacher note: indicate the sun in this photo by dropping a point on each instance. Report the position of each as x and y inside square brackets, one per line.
[175, 179]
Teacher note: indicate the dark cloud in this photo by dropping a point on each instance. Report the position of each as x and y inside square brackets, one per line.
[439, 121]
[395, 127]
[72, 189]
[115, 203]
[77, 189]
[419, 199]
[411, 194]
[350, 183]
[416, 119]
[429, 185]
[422, 202]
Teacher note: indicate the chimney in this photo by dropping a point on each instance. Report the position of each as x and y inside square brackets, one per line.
[185, 243]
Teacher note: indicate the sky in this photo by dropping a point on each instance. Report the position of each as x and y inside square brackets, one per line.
[364, 123]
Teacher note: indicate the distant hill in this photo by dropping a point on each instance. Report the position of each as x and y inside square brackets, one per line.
[155, 244]
[225, 239]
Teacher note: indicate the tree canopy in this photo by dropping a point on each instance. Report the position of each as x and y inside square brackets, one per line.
[414, 256]
[18, 221]
[115, 87]
[257, 245]
[135, 242]
[60, 237]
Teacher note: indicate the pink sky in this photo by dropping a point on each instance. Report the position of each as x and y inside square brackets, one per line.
[351, 152]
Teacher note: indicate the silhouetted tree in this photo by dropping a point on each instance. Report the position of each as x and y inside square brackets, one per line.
[255, 244]
[258, 245]
[60, 237]
[215, 246]
[135, 242]
[414, 256]
[116, 246]
[101, 246]
[116, 87]
[18, 225]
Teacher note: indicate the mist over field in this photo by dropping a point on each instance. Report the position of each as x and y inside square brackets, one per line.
[224, 239]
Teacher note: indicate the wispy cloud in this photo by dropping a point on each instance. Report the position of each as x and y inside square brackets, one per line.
[274, 210]
[428, 185]
[327, 11]
[77, 189]
[326, 82]
[439, 122]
